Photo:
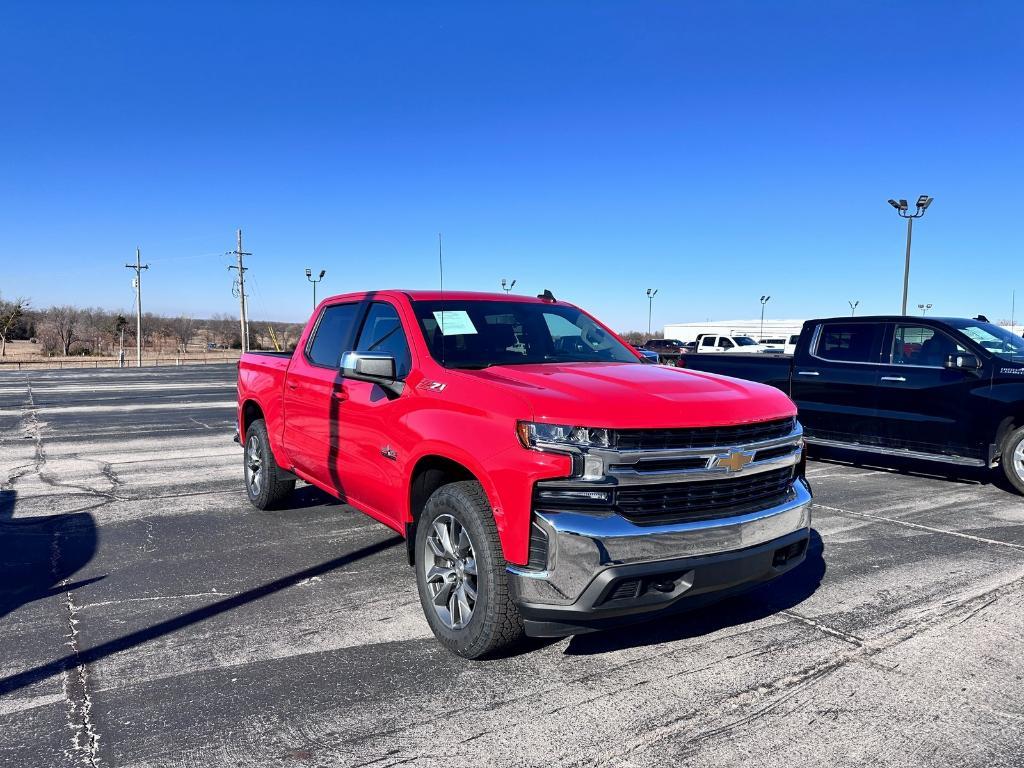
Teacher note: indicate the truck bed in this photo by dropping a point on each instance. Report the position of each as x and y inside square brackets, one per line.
[775, 370]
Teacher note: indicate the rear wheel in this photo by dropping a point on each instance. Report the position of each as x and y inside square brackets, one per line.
[1012, 460]
[265, 483]
[460, 574]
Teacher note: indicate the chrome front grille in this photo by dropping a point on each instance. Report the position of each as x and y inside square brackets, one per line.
[701, 437]
[686, 502]
[749, 469]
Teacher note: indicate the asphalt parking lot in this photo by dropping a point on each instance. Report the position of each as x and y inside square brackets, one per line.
[150, 617]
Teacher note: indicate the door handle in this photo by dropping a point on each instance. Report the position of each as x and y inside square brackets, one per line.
[807, 373]
[340, 395]
[293, 385]
[893, 378]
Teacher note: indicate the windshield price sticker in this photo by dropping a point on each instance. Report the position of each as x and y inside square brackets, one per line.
[454, 323]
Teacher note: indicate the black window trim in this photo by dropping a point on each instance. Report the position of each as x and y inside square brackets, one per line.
[360, 313]
[364, 313]
[816, 342]
[890, 337]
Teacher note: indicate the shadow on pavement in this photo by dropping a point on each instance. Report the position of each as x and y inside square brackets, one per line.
[38, 553]
[780, 594]
[160, 629]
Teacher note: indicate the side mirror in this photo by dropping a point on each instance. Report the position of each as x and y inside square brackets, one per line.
[964, 361]
[374, 368]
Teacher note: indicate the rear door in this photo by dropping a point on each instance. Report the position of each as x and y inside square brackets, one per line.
[834, 382]
[923, 405]
[313, 394]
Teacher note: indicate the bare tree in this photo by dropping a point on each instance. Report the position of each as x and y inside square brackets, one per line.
[182, 328]
[10, 313]
[63, 321]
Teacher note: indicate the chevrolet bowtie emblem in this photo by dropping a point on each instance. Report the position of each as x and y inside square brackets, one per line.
[733, 461]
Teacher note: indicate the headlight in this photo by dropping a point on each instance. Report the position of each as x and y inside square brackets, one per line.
[534, 435]
[572, 440]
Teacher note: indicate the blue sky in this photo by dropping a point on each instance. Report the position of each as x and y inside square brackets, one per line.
[716, 151]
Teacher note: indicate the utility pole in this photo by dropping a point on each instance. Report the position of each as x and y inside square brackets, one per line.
[853, 307]
[309, 276]
[138, 266]
[243, 317]
[506, 286]
[764, 300]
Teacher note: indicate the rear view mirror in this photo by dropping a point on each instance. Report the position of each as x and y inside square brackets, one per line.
[964, 361]
[374, 368]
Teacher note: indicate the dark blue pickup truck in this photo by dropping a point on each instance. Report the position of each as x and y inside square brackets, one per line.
[942, 389]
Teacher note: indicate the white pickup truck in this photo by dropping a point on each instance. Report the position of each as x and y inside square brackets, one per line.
[711, 342]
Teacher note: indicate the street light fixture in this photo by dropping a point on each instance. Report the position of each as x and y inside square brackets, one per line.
[764, 300]
[924, 308]
[902, 208]
[853, 307]
[309, 276]
[507, 286]
[651, 293]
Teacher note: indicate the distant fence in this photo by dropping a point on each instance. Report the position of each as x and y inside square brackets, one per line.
[112, 362]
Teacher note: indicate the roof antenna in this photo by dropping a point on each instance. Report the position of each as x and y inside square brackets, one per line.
[440, 269]
[546, 296]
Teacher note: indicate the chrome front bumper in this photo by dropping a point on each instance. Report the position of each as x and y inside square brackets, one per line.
[583, 545]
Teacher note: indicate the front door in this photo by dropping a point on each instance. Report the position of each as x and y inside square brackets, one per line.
[922, 404]
[834, 382]
[372, 435]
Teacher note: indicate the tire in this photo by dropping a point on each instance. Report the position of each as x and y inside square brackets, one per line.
[493, 624]
[265, 484]
[1012, 458]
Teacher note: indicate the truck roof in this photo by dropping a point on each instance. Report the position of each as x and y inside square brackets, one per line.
[434, 295]
[885, 319]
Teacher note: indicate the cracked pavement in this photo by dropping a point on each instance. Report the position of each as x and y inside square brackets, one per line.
[150, 617]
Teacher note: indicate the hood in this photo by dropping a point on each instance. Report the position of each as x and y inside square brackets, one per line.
[627, 395]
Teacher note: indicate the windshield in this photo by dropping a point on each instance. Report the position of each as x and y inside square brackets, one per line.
[478, 334]
[996, 340]
[745, 341]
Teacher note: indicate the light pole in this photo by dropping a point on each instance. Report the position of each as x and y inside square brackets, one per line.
[309, 276]
[853, 307]
[506, 286]
[902, 208]
[764, 300]
[924, 308]
[651, 293]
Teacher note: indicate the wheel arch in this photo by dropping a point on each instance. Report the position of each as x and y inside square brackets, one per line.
[430, 472]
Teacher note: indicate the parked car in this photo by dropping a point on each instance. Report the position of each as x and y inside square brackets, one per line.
[737, 344]
[785, 345]
[942, 389]
[545, 481]
[668, 350]
[648, 356]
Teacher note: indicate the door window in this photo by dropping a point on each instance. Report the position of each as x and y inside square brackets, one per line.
[709, 341]
[383, 333]
[332, 335]
[849, 342]
[725, 343]
[921, 345]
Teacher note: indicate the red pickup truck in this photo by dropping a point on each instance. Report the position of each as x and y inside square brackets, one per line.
[546, 481]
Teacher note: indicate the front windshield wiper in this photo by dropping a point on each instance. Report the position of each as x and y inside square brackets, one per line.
[469, 366]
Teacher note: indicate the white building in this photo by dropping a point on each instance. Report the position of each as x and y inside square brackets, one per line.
[773, 329]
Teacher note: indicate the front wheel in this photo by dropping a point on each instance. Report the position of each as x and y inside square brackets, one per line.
[1012, 460]
[460, 574]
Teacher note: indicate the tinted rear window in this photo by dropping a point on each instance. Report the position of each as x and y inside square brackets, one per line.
[849, 342]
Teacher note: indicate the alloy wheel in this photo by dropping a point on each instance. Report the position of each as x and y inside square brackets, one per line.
[254, 465]
[449, 564]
